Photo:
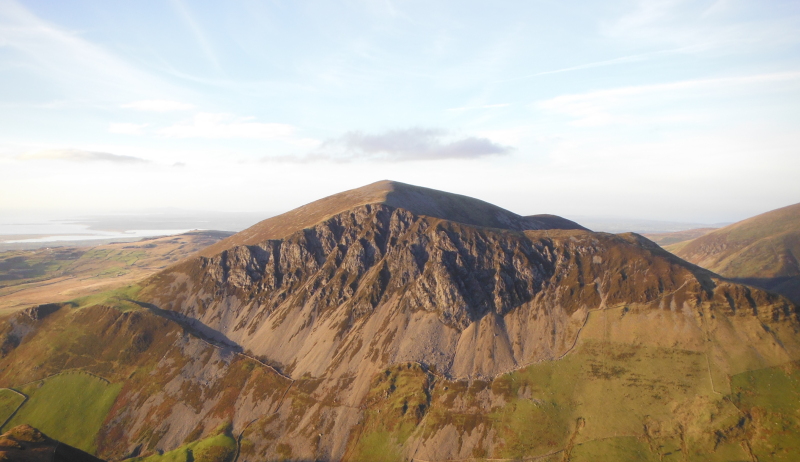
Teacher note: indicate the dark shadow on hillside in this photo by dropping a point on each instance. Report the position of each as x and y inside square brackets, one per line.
[194, 327]
[788, 286]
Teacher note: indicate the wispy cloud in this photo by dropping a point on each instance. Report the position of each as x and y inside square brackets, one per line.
[197, 31]
[704, 27]
[158, 105]
[126, 128]
[485, 106]
[210, 125]
[65, 57]
[77, 155]
[399, 145]
[607, 62]
[595, 108]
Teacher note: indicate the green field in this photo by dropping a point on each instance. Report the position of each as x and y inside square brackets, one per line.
[9, 402]
[69, 407]
[219, 448]
[118, 298]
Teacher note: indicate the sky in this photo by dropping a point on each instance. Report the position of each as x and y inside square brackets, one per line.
[662, 110]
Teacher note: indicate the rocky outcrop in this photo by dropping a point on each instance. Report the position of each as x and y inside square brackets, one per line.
[39, 312]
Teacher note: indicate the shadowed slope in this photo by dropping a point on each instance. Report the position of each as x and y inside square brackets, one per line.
[762, 251]
[418, 200]
[27, 444]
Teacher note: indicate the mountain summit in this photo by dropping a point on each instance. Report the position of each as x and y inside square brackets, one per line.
[415, 199]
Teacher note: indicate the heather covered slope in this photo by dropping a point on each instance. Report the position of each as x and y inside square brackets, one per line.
[761, 251]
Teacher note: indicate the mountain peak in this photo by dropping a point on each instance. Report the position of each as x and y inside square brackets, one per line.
[416, 199]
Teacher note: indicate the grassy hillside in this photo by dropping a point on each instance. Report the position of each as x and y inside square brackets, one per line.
[70, 407]
[217, 448]
[9, 402]
[763, 251]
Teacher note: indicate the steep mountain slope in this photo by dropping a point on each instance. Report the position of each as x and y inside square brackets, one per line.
[402, 332]
[762, 251]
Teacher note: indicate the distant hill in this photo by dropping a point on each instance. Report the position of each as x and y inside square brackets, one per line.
[761, 251]
[664, 239]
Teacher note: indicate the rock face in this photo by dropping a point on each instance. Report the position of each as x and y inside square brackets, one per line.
[379, 284]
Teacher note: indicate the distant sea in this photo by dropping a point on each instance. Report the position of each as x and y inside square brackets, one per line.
[29, 232]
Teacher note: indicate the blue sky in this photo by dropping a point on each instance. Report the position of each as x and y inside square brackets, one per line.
[670, 110]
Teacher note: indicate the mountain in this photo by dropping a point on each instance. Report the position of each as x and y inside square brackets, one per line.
[761, 251]
[393, 322]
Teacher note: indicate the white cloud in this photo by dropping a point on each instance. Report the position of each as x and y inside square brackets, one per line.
[158, 105]
[77, 155]
[126, 128]
[208, 125]
[402, 145]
